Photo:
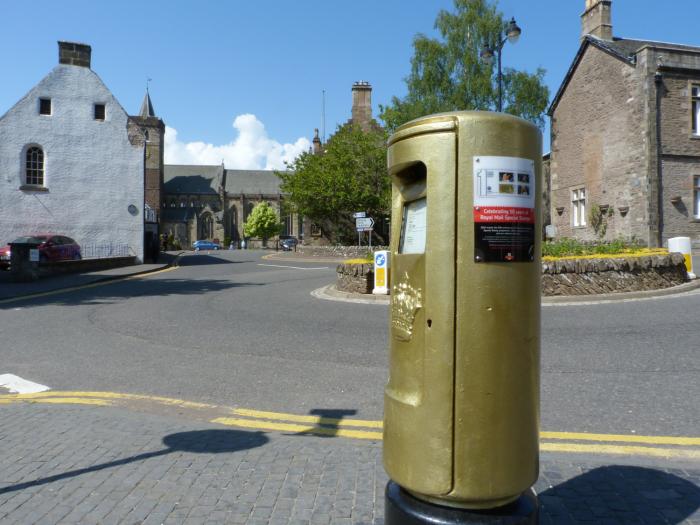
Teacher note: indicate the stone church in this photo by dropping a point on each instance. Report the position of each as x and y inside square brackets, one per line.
[625, 125]
[213, 202]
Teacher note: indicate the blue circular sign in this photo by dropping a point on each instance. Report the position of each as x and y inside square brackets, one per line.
[380, 259]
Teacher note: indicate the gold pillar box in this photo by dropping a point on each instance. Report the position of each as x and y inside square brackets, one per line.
[461, 407]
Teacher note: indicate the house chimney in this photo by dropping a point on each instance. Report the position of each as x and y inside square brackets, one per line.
[596, 20]
[74, 54]
[362, 104]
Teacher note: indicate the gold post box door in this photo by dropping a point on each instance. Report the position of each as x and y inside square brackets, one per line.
[419, 396]
[497, 309]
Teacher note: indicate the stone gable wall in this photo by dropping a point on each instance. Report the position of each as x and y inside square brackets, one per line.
[599, 140]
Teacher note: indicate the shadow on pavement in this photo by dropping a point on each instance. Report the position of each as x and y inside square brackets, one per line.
[102, 293]
[203, 259]
[621, 494]
[197, 441]
[329, 422]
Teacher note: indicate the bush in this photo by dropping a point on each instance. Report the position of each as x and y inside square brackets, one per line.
[571, 247]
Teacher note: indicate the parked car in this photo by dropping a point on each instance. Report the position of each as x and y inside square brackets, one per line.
[288, 243]
[53, 247]
[205, 245]
[5, 257]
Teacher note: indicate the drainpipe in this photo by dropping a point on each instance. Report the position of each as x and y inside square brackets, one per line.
[659, 82]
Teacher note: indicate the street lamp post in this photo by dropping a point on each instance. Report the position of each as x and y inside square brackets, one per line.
[510, 34]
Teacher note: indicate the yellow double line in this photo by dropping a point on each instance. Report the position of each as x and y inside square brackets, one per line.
[319, 425]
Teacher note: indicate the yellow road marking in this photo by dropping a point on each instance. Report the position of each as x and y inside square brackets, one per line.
[649, 440]
[111, 395]
[84, 286]
[317, 420]
[72, 401]
[617, 449]
[298, 429]
[326, 426]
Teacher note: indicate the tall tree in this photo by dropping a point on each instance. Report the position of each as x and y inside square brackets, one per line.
[447, 74]
[348, 176]
[262, 222]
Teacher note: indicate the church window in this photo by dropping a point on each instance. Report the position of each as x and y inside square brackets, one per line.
[695, 90]
[34, 166]
[578, 207]
[696, 196]
[44, 106]
[183, 203]
[99, 111]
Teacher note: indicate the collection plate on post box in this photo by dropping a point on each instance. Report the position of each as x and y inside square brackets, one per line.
[504, 209]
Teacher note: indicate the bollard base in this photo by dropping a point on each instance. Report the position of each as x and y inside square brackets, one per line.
[401, 508]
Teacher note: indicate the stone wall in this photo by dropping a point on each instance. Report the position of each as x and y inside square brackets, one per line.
[567, 276]
[355, 278]
[337, 251]
[602, 276]
[599, 142]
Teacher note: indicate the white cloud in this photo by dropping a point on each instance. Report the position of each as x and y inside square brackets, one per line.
[251, 149]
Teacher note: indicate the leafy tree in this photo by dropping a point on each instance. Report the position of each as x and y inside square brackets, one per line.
[350, 175]
[447, 74]
[262, 222]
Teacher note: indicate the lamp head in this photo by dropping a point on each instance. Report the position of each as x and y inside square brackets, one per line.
[513, 31]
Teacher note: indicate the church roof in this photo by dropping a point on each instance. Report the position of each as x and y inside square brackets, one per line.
[252, 182]
[625, 49]
[147, 107]
[192, 179]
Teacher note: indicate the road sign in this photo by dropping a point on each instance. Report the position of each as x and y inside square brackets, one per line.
[359, 215]
[364, 224]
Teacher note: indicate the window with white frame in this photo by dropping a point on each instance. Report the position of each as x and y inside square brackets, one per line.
[695, 115]
[696, 196]
[578, 207]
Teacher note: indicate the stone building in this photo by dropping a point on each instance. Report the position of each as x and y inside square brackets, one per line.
[72, 161]
[212, 202]
[153, 129]
[625, 124]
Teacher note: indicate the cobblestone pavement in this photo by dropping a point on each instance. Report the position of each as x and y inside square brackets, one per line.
[91, 464]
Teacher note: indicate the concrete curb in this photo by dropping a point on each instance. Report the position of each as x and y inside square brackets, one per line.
[331, 293]
[96, 279]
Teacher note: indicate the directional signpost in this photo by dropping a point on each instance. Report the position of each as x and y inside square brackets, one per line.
[364, 224]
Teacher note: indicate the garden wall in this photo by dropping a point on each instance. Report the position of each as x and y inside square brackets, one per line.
[567, 276]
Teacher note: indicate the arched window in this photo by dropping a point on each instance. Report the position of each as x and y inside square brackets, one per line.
[183, 203]
[34, 166]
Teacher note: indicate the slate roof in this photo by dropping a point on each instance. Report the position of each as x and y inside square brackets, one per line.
[147, 107]
[623, 48]
[252, 182]
[202, 180]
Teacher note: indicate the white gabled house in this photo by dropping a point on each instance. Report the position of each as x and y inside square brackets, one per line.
[72, 161]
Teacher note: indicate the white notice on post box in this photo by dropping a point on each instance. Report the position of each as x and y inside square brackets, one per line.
[34, 255]
[413, 227]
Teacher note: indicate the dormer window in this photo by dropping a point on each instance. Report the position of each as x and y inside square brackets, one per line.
[44, 106]
[99, 111]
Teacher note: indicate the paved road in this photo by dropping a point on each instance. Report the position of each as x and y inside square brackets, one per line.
[231, 328]
[233, 337]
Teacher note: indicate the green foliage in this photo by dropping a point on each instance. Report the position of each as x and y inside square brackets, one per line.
[598, 217]
[447, 74]
[349, 176]
[262, 222]
[572, 247]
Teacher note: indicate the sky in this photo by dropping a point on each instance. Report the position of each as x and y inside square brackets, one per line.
[244, 82]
